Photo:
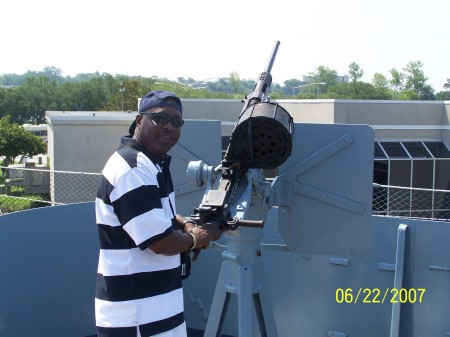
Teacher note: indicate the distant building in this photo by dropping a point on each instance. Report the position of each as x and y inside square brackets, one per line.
[38, 130]
[342, 79]
[41, 132]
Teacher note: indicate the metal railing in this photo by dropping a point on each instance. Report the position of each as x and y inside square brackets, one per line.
[406, 202]
[24, 188]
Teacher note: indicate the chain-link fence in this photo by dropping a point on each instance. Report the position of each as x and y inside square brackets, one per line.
[411, 202]
[23, 188]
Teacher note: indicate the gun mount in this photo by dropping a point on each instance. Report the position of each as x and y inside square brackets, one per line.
[310, 201]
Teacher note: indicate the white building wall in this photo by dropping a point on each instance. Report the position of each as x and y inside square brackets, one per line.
[83, 141]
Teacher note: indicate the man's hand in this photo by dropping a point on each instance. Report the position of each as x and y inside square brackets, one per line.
[204, 234]
[213, 229]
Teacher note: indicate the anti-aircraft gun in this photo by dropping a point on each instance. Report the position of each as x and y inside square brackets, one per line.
[262, 139]
[237, 200]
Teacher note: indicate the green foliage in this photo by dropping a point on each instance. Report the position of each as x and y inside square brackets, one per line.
[235, 82]
[444, 95]
[397, 80]
[26, 97]
[15, 142]
[447, 84]
[379, 81]
[355, 72]
[289, 86]
[358, 90]
[408, 95]
[326, 75]
[28, 102]
[19, 201]
[416, 81]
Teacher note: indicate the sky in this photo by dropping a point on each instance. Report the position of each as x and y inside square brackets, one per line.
[206, 39]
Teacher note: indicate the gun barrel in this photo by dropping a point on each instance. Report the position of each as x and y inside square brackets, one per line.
[263, 82]
[272, 57]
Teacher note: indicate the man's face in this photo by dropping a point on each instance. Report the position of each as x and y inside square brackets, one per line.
[157, 138]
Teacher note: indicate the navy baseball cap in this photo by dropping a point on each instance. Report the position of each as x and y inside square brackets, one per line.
[155, 99]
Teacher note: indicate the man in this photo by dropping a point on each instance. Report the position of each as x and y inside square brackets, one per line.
[139, 290]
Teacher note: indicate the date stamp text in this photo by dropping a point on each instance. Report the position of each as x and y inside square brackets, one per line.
[376, 295]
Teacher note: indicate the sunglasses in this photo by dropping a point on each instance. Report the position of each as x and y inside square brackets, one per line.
[163, 119]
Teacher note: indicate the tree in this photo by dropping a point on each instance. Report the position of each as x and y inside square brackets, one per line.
[15, 141]
[11, 80]
[447, 84]
[357, 90]
[3, 93]
[397, 81]
[416, 81]
[408, 95]
[39, 96]
[80, 96]
[355, 72]
[415, 78]
[379, 81]
[15, 105]
[235, 82]
[324, 74]
[444, 95]
[53, 74]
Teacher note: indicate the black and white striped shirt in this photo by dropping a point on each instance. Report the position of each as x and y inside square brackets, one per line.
[135, 206]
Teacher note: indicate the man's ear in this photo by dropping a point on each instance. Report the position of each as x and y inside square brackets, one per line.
[138, 120]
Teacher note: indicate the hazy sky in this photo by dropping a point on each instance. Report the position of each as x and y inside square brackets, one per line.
[207, 39]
